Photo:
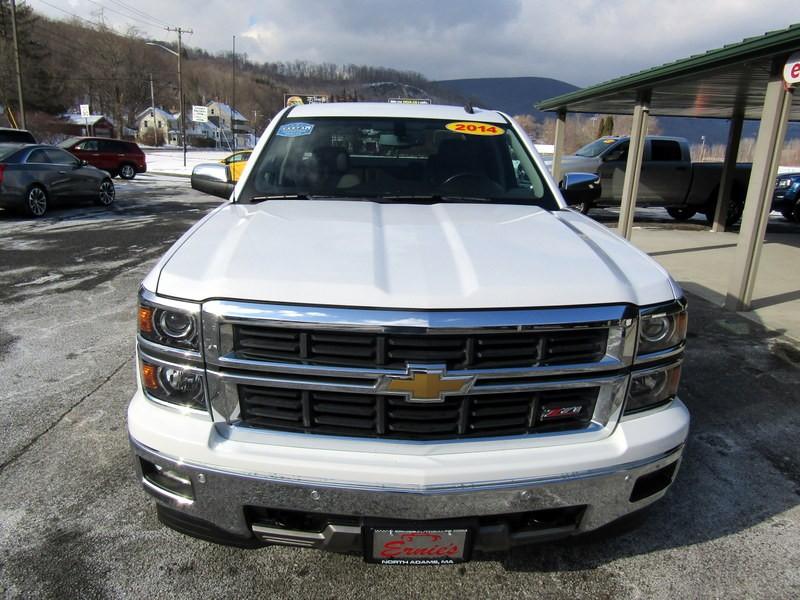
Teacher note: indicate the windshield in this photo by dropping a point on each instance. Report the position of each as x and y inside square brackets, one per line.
[16, 136]
[69, 142]
[596, 147]
[397, 159]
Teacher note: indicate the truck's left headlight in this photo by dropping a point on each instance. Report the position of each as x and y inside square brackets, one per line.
[169, 323]
[174, 384]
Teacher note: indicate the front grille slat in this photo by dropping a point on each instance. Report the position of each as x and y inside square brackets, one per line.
[470, 350]
[393, 417]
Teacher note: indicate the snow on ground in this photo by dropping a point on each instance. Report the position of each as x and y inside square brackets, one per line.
[171, 161]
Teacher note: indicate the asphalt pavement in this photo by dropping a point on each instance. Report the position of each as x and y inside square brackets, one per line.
[74, 523]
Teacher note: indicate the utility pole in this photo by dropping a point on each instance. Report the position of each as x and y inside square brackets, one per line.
[16, 62]
[233, 99]
[153, 112]
[180, 31]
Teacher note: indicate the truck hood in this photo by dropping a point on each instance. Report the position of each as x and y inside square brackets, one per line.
[366, 254]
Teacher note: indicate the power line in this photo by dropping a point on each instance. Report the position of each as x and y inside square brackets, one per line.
[67, 12]
[135, 10]
[145, 23]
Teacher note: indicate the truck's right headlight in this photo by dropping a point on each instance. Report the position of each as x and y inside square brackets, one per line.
[174, 384]
[662, 329]
[784, 182]
[652, 388]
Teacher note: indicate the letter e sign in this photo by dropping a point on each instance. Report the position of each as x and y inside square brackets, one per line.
[791, 70]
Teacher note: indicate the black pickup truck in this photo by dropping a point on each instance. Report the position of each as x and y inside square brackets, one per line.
[669, 177]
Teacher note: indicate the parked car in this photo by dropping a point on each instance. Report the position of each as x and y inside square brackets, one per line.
[118, 157]
[34, 177]
[236, 163]
[786, 197]
[397, 339]
[16, 136]
[668, 179]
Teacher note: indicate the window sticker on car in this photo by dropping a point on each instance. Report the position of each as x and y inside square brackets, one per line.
[471, 128]
[295, 129]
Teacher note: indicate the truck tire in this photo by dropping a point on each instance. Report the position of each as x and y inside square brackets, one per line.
[735, 206]
[792, 213]
[681, 213]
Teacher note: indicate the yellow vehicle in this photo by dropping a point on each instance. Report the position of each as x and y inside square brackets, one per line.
[237, 162]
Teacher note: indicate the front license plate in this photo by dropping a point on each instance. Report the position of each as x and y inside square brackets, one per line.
[405, 547]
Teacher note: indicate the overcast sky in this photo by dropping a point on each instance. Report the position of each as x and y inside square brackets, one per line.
[579, 41]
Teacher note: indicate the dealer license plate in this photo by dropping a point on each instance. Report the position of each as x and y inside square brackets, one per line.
[404, 547]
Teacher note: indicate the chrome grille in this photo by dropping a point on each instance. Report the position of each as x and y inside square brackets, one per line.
[327, 370]
[387, 416]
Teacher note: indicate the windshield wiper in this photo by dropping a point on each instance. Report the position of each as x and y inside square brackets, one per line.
[435, 198]
[255, 199]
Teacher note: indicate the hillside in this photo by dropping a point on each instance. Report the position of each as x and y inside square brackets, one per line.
[513, 95]
[116, 81]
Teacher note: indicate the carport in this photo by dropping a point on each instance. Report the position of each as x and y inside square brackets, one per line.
[751, 79]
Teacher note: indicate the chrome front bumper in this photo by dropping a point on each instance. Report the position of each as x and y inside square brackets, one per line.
[220, 501]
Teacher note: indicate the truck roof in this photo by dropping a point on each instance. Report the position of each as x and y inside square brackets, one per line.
[649, 137]
[386, 109]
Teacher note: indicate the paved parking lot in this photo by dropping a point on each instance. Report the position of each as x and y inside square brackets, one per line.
[75, 524]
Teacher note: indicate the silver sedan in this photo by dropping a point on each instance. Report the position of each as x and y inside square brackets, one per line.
[34, 177]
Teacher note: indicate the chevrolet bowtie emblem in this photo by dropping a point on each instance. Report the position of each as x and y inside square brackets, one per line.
[427, 384]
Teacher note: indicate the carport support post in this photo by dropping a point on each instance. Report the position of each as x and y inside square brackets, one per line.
[728, 169]
[633, 168]
[558, 144]
[757, 206]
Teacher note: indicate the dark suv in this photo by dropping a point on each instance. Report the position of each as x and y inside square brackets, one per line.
[117, 157]
[16, 136]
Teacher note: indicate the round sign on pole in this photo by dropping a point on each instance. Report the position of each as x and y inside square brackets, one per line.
[791, 70]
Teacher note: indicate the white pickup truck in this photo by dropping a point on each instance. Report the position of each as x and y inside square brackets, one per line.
[396, 339]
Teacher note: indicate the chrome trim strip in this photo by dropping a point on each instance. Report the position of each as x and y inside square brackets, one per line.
[664, 367]
[174, 353]
[384, 320]
[661, 355]
[230, 361]
[664, 307]
[158, 490]
[152, 298]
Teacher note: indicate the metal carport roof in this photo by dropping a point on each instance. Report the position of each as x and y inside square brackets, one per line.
[711, 84]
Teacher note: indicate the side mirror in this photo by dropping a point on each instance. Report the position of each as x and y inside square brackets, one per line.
[212, 178]
[80, 163]
[580, 187]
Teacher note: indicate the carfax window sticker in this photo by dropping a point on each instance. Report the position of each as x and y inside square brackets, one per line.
[471, 128]
[295, 129]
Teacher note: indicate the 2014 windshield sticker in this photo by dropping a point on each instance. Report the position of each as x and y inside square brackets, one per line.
[295, 129]
[471, 128]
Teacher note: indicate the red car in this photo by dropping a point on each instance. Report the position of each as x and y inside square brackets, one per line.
[117, 157]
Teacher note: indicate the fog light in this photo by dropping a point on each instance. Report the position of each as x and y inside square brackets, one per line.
[168, 480]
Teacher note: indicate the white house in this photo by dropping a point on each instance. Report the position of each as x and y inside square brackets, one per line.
[164, 122]
[231, 123]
